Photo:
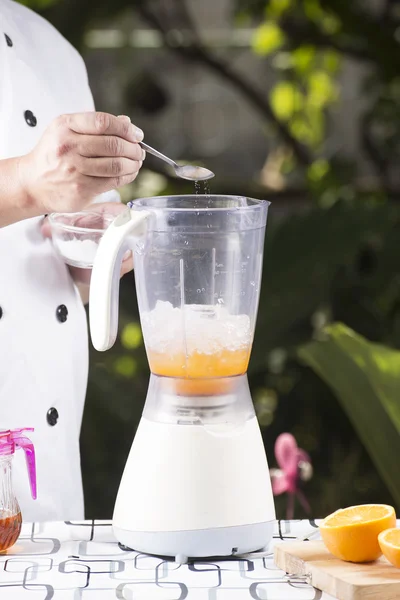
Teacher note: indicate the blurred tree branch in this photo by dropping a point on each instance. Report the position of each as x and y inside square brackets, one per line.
[356, 30]
[187, 44]
[193, 49]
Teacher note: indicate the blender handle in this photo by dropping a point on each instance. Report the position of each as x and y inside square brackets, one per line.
[104, 283]
[21, 441]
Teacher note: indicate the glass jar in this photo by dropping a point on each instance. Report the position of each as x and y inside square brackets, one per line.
[10, 512]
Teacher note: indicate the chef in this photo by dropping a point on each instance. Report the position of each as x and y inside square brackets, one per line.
[56, 154]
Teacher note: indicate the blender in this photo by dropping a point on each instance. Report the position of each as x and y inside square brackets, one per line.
[196, 482]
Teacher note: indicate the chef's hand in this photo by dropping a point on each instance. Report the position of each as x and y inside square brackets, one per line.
[82, 276]
[78, 157]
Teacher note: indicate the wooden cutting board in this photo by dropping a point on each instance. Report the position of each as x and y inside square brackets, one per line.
[346, 581]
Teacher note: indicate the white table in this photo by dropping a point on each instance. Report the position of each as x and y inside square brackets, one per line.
[82, 560]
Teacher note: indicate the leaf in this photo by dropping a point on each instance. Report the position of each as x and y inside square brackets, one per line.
[365, 378]
[313, 10]
[265, 403]
[330, 24]
[328, 21]
[267, 38]
[125, 366]
[321, 89]
[285, 99]
[131, 336]
[309, 130]
[303, 58]
[276, 8]
[318, 169]
[331, 61]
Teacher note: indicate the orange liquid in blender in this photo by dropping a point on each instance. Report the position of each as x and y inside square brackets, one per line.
[200, 374]
[200, 348]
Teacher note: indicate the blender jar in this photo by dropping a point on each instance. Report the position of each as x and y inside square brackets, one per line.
[198, 263]
[198, 274]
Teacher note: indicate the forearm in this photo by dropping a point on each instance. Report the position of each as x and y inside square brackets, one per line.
[15, 202]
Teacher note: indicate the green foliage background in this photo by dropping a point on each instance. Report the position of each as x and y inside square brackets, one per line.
[333, 259]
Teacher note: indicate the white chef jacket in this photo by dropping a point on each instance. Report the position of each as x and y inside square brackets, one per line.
[43, 329]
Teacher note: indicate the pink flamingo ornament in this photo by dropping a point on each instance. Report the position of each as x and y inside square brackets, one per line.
[295, 465]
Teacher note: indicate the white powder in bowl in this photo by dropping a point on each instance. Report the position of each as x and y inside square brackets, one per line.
[78, 252]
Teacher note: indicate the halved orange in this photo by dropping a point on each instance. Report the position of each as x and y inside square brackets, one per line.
[352, 533]
[389, 541]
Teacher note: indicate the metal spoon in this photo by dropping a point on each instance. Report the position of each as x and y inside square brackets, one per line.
[190, 172]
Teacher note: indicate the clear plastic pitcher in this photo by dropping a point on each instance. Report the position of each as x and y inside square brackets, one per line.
[10, 513]
[198, 263]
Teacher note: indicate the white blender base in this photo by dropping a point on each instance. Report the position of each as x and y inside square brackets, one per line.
[221, 541]
[195, 490]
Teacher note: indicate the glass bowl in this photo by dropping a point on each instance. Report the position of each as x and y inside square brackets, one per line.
[76, 236]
